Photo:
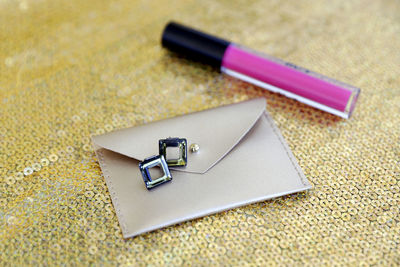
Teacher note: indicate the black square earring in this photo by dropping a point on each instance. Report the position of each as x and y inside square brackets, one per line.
[151, 162]
[180, 159]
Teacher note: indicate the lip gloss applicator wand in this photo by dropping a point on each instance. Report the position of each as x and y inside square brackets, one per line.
[263, 70]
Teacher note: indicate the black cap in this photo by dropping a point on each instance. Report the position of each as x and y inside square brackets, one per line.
[194, 44]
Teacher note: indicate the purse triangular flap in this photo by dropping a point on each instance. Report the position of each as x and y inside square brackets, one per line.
[216, 131]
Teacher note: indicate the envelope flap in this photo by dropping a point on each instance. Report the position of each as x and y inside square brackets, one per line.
[216, 131]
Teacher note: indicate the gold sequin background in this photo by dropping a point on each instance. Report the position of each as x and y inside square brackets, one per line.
[72, 69]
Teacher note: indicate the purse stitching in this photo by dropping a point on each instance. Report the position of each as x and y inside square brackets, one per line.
[286, 148]
[110, 185]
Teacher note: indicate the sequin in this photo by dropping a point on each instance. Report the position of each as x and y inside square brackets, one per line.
[19, 176]
[28, 171]
[53, 157]
[44, 162]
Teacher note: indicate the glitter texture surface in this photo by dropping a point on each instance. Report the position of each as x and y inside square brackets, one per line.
[72, 69]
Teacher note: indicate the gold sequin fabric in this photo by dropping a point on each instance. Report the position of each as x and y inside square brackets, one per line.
[72, 69]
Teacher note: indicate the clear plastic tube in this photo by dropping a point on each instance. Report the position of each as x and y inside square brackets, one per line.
[290, 80]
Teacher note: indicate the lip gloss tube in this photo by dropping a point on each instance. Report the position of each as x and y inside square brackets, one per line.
[262, 70]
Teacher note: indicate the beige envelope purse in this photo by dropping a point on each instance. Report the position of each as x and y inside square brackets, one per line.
[242, 159]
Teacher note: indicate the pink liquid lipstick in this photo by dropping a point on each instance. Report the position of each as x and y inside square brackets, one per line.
[263, 70]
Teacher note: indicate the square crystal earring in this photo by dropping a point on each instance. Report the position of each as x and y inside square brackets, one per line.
[151, 162]
[174, 151]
